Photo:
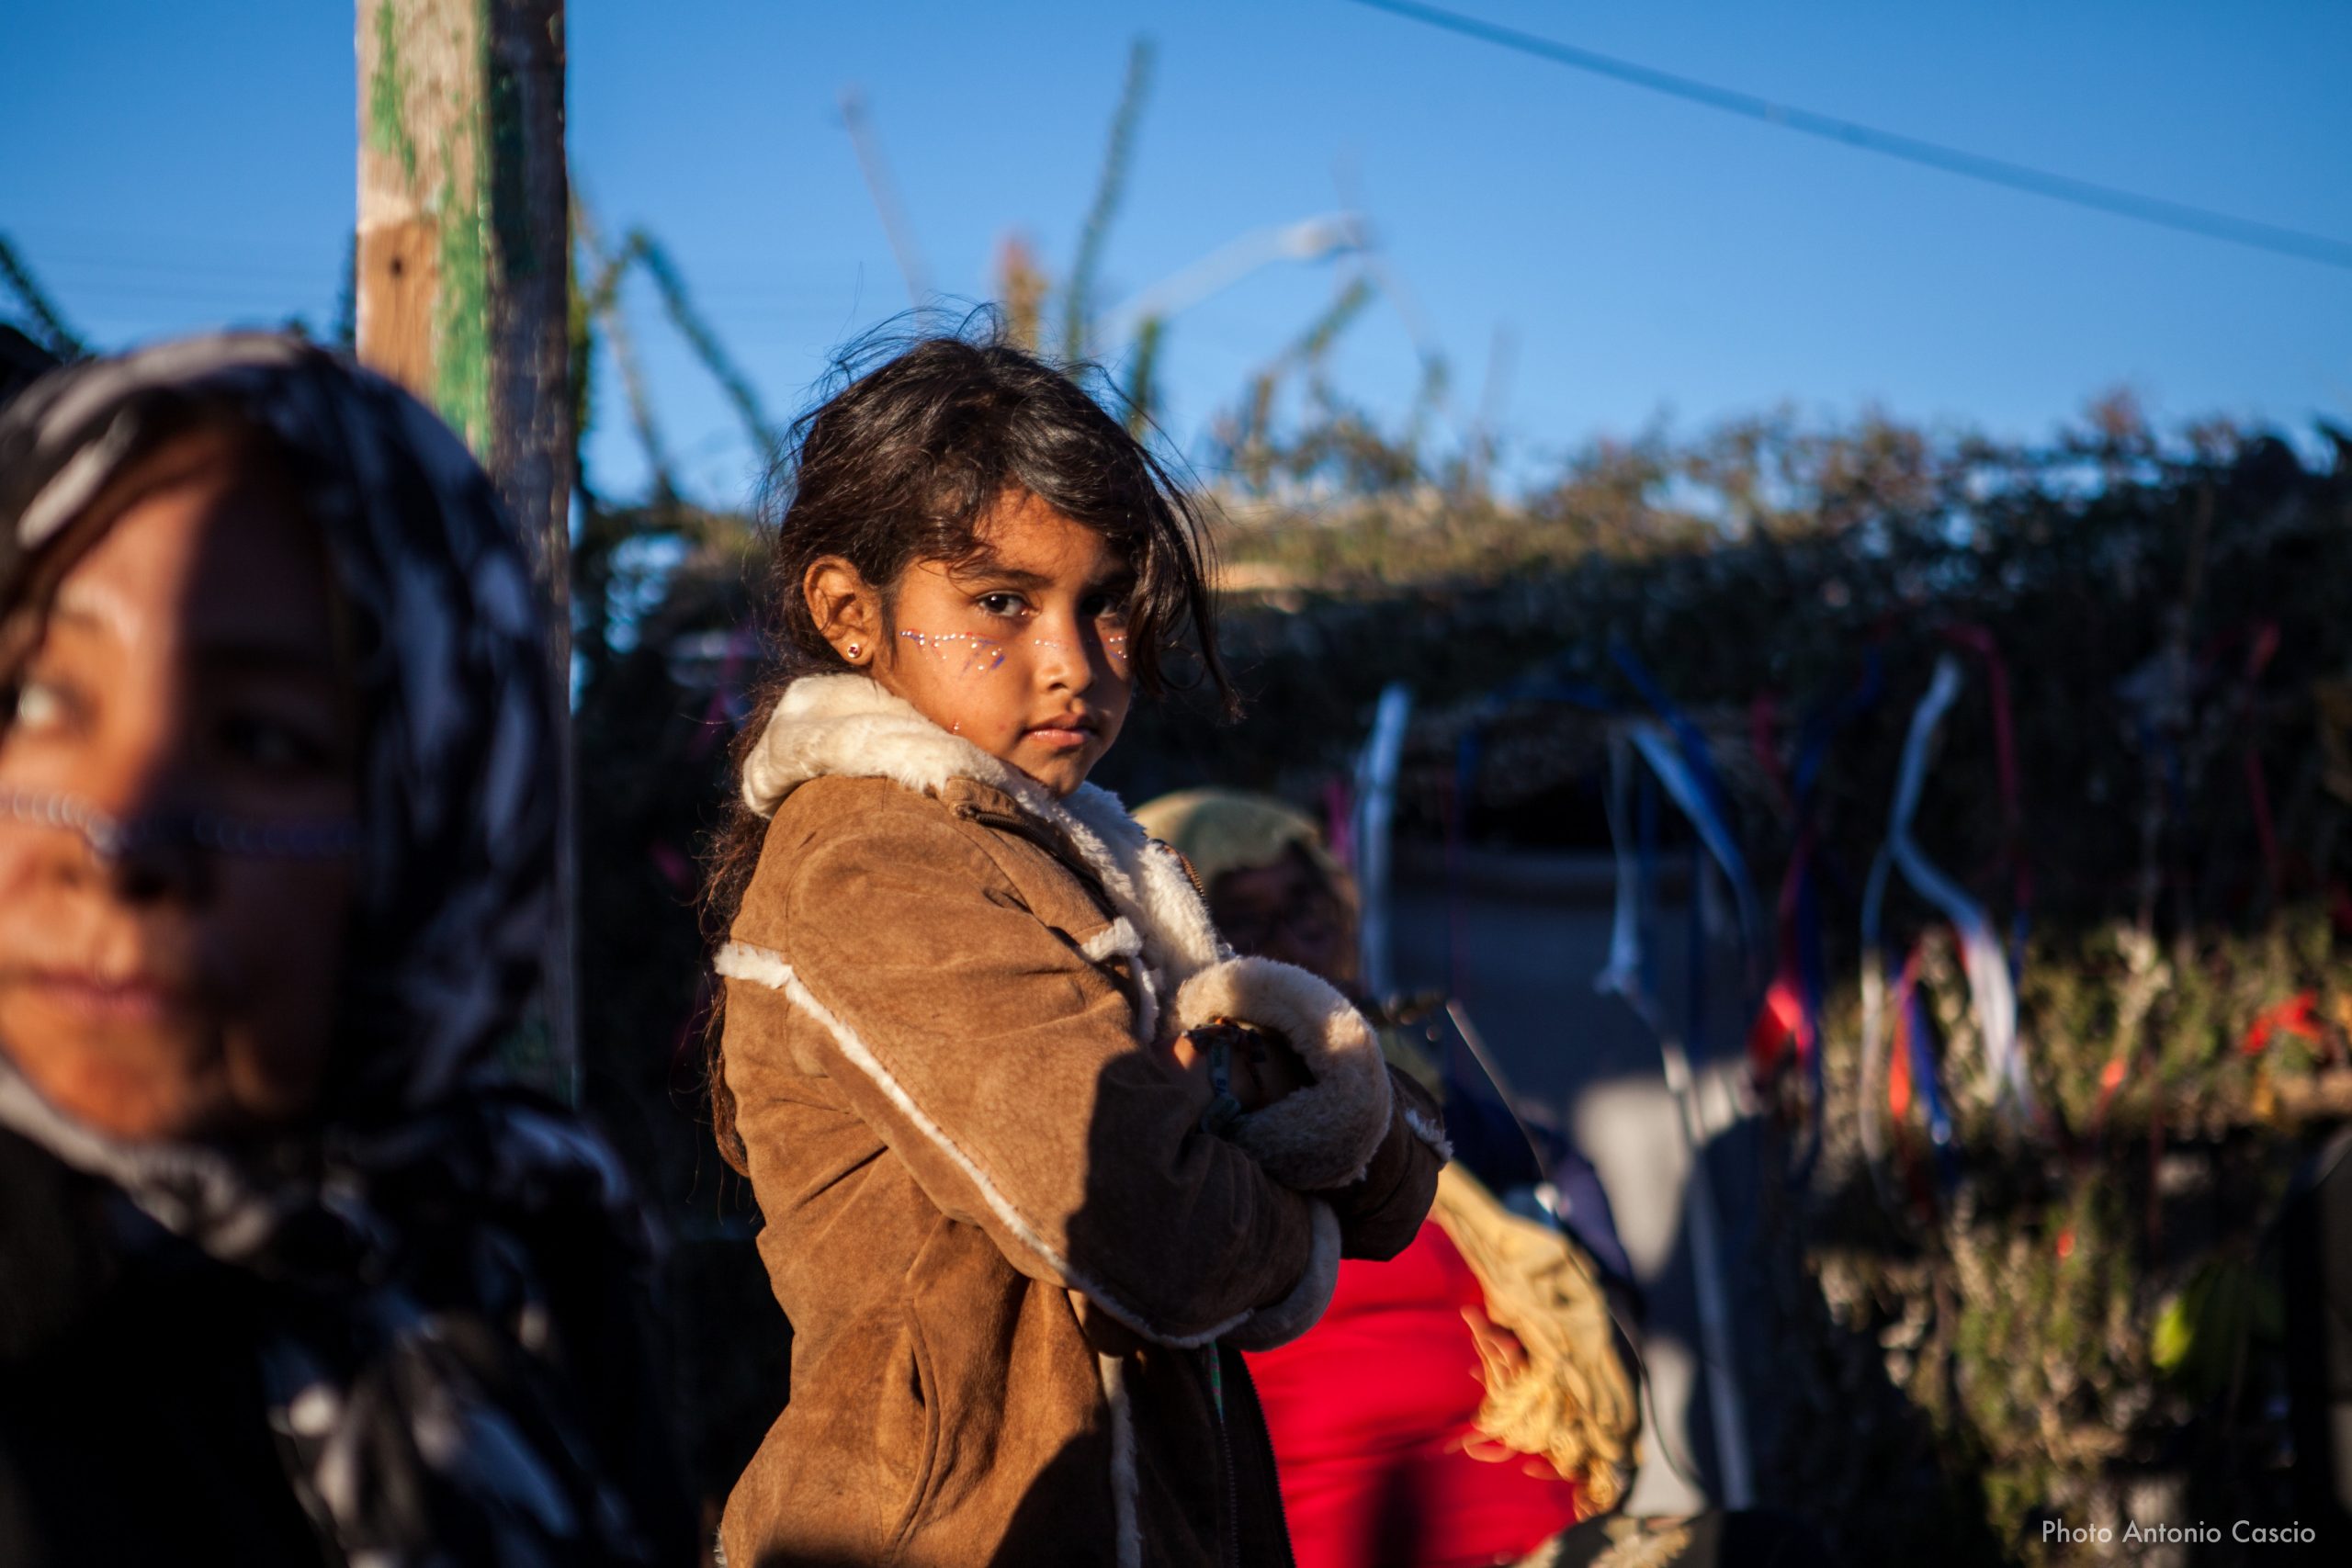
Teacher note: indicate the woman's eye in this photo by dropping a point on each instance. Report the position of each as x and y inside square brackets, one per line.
[273, 744]
[41, 705]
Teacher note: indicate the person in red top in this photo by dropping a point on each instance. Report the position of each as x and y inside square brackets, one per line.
[1374, 1415]
[1387, 1416]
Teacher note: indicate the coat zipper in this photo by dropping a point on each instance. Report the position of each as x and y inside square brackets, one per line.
[1225, 1451]
[1289, 1557]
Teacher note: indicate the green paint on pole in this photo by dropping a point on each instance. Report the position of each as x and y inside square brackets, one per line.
[462, 313]
[387, 97]
[464, 258]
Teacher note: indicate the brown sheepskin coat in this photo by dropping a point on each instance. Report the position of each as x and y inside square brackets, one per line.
[1017, 1266]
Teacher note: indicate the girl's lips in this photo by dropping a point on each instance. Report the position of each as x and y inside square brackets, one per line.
[1062, 737]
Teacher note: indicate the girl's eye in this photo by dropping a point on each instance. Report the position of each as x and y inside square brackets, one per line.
[1109, 607]
[1002, 604]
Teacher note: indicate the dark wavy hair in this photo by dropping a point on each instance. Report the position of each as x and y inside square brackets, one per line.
[916, 444]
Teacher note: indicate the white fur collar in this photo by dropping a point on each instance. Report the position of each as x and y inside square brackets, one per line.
[848, 727]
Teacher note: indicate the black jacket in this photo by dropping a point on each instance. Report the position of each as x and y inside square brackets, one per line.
[133, 1429]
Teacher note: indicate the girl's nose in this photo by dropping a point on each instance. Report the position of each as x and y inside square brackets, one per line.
[1065, 659]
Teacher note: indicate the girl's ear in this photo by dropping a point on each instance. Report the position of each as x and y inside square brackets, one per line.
[847, 609]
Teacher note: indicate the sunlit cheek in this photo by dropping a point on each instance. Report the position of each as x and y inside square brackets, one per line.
[956, 655]
[16, 865]
[952, 672]
[30, 874]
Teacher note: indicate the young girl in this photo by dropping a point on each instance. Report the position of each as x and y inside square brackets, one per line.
[289, 1274]
[1035, 1152]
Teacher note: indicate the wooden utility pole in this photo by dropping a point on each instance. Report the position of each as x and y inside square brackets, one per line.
[464, 296]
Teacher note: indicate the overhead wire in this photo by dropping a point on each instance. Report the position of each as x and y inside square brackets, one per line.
[2326, 250]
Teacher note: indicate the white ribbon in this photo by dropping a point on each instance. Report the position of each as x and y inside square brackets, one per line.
[1873, 1065]
[1989, 988]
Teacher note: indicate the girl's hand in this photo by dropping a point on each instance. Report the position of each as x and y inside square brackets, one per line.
[1189, 1062]
[1260, 1064]
[1265, 1068]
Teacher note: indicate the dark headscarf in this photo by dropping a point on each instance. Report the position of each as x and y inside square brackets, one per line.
[407, 1246]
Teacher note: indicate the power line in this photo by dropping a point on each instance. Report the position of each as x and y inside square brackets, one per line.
[2212, 225]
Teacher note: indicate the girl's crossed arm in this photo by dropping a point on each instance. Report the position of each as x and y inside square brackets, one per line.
[998, 1061]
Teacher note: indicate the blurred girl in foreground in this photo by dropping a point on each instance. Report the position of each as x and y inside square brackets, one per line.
[1036, 1153]
[289, 1274]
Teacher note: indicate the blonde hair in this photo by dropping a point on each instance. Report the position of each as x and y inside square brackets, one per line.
[1570, 1402]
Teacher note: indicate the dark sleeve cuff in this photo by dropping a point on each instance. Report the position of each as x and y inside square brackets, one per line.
[1379, 1213]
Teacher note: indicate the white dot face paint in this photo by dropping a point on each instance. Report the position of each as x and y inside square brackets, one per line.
[968, 654]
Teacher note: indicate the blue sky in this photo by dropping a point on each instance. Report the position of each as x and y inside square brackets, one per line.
[176, 166]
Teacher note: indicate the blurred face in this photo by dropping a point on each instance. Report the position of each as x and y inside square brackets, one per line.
[1021, 651]
[189, 664]
[1287, 910]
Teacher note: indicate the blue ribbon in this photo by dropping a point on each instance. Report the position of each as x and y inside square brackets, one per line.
[1687, 735]
[1828, 721]
[1690, 793]
[1646, 819]
[1925, 1080]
